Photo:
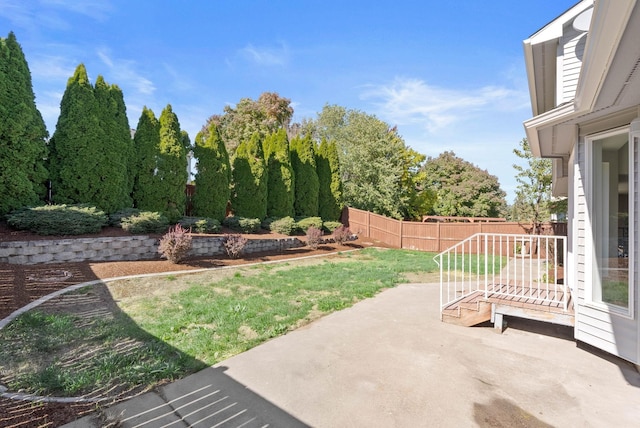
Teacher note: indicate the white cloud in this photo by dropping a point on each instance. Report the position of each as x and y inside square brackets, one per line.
[412, 101]
[51, 67]
[278, 56]
[32, 15]
[123, 72]
[96, 9]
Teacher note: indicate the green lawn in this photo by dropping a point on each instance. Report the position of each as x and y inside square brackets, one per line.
[169, 326]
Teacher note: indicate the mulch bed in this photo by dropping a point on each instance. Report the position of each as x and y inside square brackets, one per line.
[22, 284]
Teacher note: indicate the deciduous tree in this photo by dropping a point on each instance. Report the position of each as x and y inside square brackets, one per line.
[463, 189]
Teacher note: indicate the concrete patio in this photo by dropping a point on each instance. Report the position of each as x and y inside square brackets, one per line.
[390, 362]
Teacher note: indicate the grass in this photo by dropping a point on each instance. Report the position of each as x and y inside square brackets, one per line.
[616, 292]
[168, 327]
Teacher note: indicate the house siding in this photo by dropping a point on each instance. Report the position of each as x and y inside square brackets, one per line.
[570, 51]
[594, 324]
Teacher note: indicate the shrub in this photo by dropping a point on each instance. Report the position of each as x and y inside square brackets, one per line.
[115, 219]
[304, 223]
[283, 225]
[242, 224]
[59, 219]
[342, 234]
[200, 224]
[330, 226]
[314, 236]
[145, 222]
[175, 244]
[234, 244]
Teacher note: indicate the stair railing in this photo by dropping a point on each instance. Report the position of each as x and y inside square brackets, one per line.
[524, 267]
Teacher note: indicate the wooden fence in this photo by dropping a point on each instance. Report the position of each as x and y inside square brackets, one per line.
[433, 237]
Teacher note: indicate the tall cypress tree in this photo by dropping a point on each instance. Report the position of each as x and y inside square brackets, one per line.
[280, 176]
[146, 142]
[75, 145]
[303, 161]
[172, 168]
[114, 148]
[213, 178]
[249, 198]
[330, 184]
[22, 132]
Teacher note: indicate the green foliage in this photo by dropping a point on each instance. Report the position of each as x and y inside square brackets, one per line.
[146, 141]
[462, 188]
[90, 150]
[213, 178]
[145, 222]
[329, 181]
[22, 132]
[175, 244]
[534, 201]
[201, 224]
[376, 167]
[304, 223]
[265, 116]
[59, 219]
[280, 195]
[303, 160]
[284, 226]
[172, 166]
[241, 224]
[250, 178]
[115, 219]
[330, 226]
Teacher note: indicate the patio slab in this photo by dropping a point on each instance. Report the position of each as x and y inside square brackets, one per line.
[390, 362]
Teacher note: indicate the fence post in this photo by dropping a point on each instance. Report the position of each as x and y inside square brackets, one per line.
[401, 232]
[438, 237]
[368, 224]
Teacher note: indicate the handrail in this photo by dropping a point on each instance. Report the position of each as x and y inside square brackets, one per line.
[526, 267]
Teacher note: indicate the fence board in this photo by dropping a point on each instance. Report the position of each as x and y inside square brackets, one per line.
[433, 237]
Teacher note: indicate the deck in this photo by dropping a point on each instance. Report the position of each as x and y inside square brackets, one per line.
[523, 301]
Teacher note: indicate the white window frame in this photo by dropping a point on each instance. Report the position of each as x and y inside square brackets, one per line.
[629, 311]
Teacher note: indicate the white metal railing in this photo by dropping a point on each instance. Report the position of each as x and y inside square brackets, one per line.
[523, 267]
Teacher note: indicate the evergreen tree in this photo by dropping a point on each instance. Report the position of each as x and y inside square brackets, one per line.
[249, 196]
[116, 147]
[22, 132]
[330, 184]
[213, 178]
[172, 168]
[146, 141]
[281, 183]
[91, 147]
[75, 145]
[306, 178]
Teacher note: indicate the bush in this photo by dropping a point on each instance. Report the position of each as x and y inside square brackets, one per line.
[314, 236]
[304, 223]
[284, 225]
[330, 226]
[200, 224]
[342, 235]
[175, 244]
[115, 219]
[234, 244]
[145, 222]
[242, 224]
[59, 219]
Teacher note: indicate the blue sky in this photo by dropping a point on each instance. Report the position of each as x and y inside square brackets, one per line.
[449, 74]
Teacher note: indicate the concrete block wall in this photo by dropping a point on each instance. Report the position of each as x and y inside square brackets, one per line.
[121, 248]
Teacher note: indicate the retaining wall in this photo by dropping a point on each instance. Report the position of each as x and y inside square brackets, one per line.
[121, 248]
